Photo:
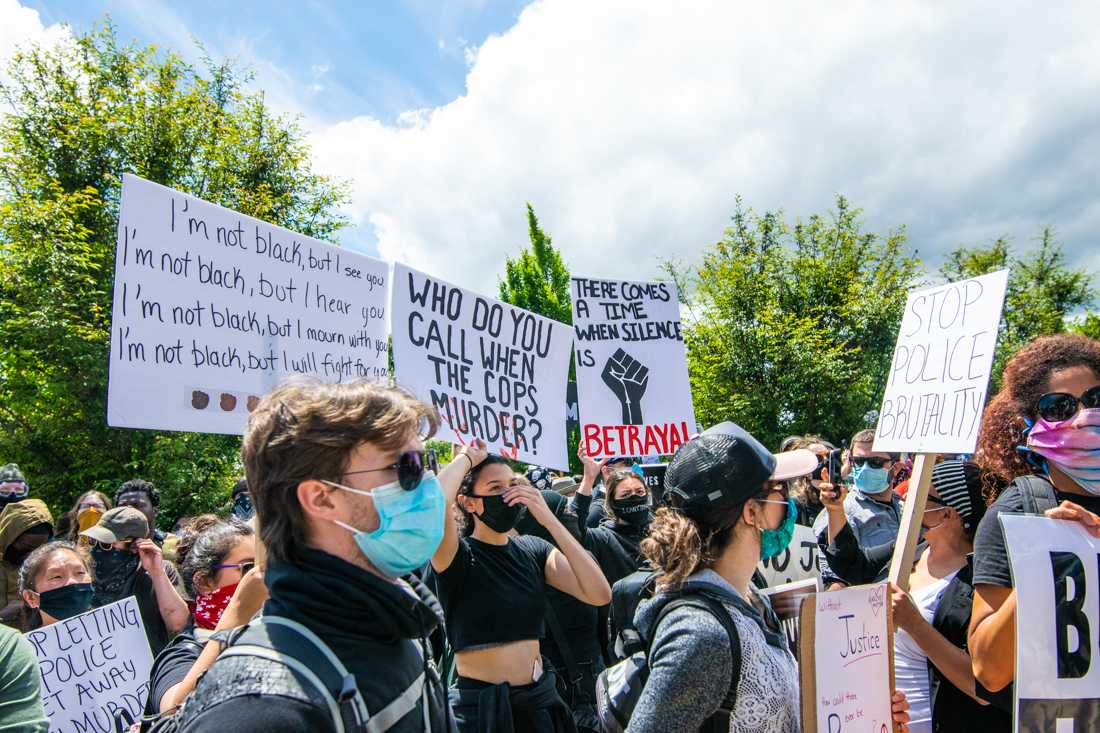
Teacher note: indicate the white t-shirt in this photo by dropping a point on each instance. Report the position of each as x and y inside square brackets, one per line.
[911, 663]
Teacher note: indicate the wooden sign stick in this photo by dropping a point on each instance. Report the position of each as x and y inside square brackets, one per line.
[905, 549]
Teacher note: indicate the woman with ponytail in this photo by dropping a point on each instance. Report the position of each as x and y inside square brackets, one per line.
[492, 586]
[727, 508]
[1039, 449]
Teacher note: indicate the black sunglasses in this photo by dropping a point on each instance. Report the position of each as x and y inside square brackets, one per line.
[872, 461]
[1059, 406]
[409, 467]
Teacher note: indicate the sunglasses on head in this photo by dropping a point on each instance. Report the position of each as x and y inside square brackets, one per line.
[409, 467]
[1059, 406]
[872, 461]
[126, 545]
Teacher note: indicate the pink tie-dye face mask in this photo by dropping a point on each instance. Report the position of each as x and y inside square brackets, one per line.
[1073, 446]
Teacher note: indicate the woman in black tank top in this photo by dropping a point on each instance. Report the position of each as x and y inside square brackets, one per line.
[493, 590]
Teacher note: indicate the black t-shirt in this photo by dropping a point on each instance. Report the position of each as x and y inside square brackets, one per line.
[494, 594]
[991, 565]
[171, 666]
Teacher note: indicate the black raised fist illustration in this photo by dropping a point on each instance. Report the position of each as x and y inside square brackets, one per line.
[627, 378]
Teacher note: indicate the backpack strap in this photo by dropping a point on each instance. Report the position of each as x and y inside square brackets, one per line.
[720, 720]
[1037, 494]
[562, 641]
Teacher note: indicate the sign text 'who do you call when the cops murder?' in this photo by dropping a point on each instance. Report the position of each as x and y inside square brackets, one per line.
[213, 308]
[493, 371]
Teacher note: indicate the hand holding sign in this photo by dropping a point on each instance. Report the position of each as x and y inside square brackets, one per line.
[628, 378]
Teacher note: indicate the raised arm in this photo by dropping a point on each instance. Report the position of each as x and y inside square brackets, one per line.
[450, 478]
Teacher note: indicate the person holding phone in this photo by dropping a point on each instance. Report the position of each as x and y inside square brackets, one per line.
[871, 508]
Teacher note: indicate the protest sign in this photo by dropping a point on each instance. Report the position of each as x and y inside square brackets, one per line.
[212, 309]
[786, 600]
[653, 475]
[632, 379]
[847, 661]
[936, 386]
[92, 665]
[799, 561]
[494, 371]
[1056, 572]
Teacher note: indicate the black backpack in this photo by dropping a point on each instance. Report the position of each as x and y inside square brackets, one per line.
[312, 664]
[619, 687]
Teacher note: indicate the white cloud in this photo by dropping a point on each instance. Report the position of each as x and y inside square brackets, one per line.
[19, 28]
[631, 126]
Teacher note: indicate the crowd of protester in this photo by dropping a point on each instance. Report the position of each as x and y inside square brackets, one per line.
[351, 586]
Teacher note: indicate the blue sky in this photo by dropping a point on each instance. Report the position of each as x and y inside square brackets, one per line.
[336, 60]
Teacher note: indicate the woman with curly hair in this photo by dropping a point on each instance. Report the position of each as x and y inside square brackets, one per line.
[1039, 446]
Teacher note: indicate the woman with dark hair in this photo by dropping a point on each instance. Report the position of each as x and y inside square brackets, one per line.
[727, 508]
[492, 587]
[214, 562]
[806, 490]
[1039, 447]
[56, 583]
[931, 663]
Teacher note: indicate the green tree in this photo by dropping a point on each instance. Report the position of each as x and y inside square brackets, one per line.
[78, 116]
[792, 328]
[1043, 291]
[538, 281]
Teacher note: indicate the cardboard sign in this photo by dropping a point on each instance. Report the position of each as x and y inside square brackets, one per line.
[632, 376]
[653, 474]
[1056, 572]
[492, 370]
[92, 665]
[786, 600]
[212, 309]
[936, 387]
[847, 661]
[798, 562]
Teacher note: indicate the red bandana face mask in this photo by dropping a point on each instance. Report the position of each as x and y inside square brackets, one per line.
[210, 606]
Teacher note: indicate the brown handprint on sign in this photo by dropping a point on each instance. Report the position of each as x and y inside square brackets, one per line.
[627, 378]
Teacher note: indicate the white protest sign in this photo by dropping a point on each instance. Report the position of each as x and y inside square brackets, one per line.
[212, 309]
[1056, 572]
[492, 370]
[797, 562]
[936, 386]
[847, 661]
[632, 377]
[92, 665]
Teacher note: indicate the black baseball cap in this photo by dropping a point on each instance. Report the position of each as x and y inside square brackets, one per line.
[725, 466]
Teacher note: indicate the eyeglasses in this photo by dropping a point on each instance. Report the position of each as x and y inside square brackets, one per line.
[106, 546]
[1059, 406]
[409, 467]
[244, 567]
[872, 461]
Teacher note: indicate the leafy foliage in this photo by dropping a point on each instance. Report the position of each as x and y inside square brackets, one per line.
[78, 116]
[1043, 292]
[792, 328]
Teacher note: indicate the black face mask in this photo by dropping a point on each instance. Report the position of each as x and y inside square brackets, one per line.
[66, 601]
[113, 571]
[632, 510]
[497, 515]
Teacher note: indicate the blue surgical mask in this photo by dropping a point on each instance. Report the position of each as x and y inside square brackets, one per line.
[774, 541]
[410, 525]
[868, 480]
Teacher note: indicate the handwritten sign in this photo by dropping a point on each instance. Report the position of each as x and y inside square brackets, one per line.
[798, 562]
[847, 661]
[92, 665]
[632, 377]
[936, 387]
[212, 309]
[492, 370]
[1056, 571]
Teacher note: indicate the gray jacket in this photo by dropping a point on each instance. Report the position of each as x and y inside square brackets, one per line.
[690, 667]
[874, 523]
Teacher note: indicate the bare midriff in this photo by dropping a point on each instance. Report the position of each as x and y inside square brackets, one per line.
[512, 662]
